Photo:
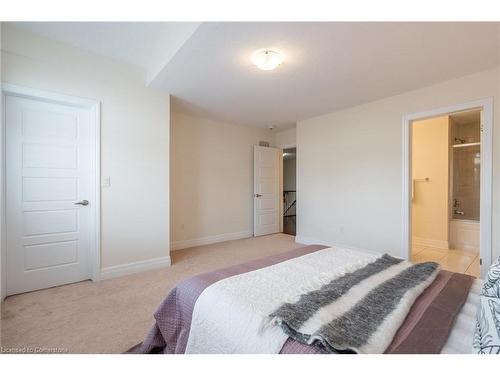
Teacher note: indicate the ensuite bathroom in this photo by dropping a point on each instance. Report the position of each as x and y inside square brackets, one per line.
[446, 194]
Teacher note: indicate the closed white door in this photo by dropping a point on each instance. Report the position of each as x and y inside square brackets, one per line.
[48, 169]
[266, 190]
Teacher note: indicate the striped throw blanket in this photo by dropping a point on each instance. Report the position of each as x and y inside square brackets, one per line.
[359, 311]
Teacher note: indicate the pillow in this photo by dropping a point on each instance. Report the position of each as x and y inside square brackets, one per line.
[487, 334]
[491, 287]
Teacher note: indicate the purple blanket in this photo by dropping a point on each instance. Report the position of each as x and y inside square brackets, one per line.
[170, 333]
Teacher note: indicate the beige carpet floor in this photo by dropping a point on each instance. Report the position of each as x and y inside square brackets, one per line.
[112, 315]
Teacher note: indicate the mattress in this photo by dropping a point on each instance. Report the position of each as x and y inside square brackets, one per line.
[462, 333]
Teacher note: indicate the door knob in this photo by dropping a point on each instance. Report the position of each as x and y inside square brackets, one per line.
[83, 203]
[258, 195]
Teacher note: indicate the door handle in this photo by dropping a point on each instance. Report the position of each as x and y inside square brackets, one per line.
[258, 195]
[83, 203]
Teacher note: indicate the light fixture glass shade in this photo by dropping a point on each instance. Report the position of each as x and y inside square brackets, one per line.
[267, 59]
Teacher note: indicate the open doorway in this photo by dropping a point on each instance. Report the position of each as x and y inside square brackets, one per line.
[446, 165]
[448, 187]
[289, 191]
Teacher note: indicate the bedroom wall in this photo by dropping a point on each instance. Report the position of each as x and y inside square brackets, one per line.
[430, 154]
[349, 176]
[211, 165]
[134, 140]
[2, 196]
[285, 138]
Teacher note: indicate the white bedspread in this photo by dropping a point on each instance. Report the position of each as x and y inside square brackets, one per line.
[228, 315]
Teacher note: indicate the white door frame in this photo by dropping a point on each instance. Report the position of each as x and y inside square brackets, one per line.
[289, 145]
[95, 134]
[485, 241]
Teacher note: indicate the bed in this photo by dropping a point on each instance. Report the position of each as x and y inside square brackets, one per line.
[229, 310]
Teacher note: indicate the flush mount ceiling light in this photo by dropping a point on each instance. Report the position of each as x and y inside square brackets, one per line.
[267, 59]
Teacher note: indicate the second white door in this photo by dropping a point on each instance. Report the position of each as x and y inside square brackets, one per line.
[266, 190]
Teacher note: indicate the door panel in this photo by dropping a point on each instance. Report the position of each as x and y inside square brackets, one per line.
[40, 189]
[48, 170]
[55, 156]
[49, 222]
[52, 254]
[266, 190]
[49, 125]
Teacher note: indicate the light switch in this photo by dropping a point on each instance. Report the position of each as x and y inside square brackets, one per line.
[105, 181]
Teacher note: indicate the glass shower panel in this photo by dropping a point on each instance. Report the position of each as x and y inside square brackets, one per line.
[466, 182]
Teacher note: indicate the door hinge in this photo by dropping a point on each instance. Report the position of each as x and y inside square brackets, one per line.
[480, 261]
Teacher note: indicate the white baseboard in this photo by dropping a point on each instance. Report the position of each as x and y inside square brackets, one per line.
[134, 267]
[184, 244]
[465, 247]
[440, 244]
[312, 241]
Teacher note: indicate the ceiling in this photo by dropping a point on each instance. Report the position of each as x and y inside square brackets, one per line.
[328, 65]
[148, 45]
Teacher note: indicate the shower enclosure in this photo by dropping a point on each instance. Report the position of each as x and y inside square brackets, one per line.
[465, 163]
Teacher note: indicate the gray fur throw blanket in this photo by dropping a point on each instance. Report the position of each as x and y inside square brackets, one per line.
[358, 311]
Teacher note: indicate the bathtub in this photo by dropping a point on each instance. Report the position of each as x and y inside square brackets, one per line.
[464, 235]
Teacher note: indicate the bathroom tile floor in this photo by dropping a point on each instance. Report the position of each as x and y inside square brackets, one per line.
[454, 260]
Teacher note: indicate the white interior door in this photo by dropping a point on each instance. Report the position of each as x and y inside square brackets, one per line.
[48, 178]
[266, 190]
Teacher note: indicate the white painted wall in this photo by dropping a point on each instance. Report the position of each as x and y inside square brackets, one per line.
[285, 138]
[430, 159]
[2, 195]
[349, 165]
[211, 179]
[134, 138]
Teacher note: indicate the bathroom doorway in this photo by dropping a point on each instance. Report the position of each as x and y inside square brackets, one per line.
[449, 188]
[289, 191]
